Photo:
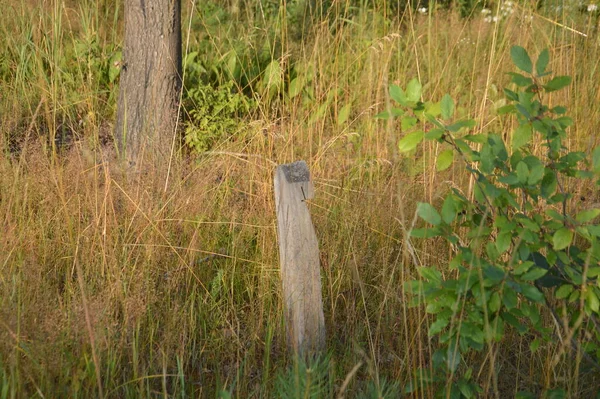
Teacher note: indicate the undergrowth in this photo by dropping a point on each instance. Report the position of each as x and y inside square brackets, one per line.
[169, 286]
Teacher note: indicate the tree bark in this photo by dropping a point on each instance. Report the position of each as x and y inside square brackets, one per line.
[150, 84]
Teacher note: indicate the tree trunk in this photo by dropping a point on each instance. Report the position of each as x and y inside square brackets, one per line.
[150, 78]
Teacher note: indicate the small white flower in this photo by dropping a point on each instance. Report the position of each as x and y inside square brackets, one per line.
[592, 7]
[488, 19]
[422, 10]
[495, 19]
[486, 11]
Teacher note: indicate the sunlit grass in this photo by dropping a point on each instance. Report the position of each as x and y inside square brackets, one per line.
[181, 286]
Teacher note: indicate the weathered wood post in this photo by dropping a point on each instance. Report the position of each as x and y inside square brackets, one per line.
[299, 258]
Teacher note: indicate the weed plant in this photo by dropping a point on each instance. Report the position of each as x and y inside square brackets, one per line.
[169, 285]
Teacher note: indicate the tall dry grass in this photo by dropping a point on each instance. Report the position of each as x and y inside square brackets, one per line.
[125, 288]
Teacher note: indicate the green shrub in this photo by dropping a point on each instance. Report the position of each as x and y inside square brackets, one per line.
[214, 113]
[521, 247]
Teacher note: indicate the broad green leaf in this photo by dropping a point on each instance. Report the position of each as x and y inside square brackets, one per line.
[596, 160]
[433, 109]
[272, 75]
[521, 59]
[115, 66]
[408, 122]
[430, 274]
[534, 273]
[397, 94]
[557, 83]
[535, 344]
[521, 136]
[296, 87]
[444, 160]
[586, 216]
[564, 291]
[503, 241]
[494, 274]
[449, 209]
[455, 127]
[531, 292]
[520, 80]
[522, 172]
[549, 183]
[391, 113]
[428, 213]
[593, 271]
[413, 90]
[562, 239]
[434, 134]
[410, 141]
[447, 105]
[437, 326]
[542, 62]
[494, 302]
[476, 138]
[344, 114]
[453, 358]
[424, 233]
[591, 300]
[509, 298]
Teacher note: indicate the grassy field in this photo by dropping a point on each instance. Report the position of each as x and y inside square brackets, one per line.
[170, 287]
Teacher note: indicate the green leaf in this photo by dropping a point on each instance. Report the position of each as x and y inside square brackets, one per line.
[424, 233]
[531, 292]
[397, 94]
[549, 184]
[476, 138]
[447, 105]
[408, 122]
[455, 127]
[115, 66]
[434, 134]
[562, 239]
[494, 302]
[520, 80]
[272, 75]
[344, 114]
[534, 273]
[522, 172]
[444, 160]
[564, 291]
[596, 160]
[413, 90]
[557, 83]
[503, 241]
[522, 136]
[410, 141]
[430, 274]
[509, 298]
[437, 326]
[296, 86]
[428, 213]
[542, 62]
[591, 300]
[521, 59]
[391, 113]
[449, 210]
[586, 216]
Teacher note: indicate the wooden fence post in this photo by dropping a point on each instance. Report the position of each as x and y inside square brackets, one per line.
[299, 259]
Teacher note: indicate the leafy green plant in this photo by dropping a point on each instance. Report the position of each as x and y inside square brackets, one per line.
[521, 246]
[214, 113]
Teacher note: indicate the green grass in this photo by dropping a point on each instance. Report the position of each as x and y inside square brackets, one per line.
[148, 289]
